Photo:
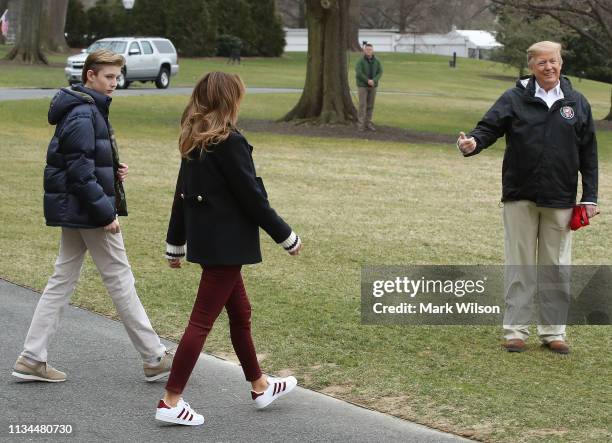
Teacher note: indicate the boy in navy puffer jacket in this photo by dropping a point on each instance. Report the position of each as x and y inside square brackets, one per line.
[83, 195]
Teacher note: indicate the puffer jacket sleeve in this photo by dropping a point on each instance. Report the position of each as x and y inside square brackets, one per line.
[588, 157]
[176, 236]
[493, 125]
[236, 163]
[78, 142]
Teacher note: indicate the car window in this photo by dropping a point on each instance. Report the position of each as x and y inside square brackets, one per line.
[134, 45]
[164, 46]
[146, 47]
[115, 46]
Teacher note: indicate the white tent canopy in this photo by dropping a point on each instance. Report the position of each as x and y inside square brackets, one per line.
[465, 43]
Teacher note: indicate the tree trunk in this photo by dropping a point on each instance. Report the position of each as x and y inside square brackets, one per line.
[301, 14]
[609, 116]
[3, 6]
[326, 97]
[53, 23]
[27, 47]
[352, 42]
[403, 16]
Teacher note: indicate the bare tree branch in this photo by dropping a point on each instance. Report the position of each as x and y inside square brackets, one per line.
[364, 17]
[605, 5]
[606, 26]
[574, 21]
[479, 11]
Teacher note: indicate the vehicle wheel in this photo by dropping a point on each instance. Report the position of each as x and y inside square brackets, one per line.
[163, 79]
[122, 83]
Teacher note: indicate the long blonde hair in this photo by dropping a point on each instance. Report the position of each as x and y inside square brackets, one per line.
[212, 111]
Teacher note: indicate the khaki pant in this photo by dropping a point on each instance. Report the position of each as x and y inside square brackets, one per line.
[108, 254]
[366, 105]
[536, 240]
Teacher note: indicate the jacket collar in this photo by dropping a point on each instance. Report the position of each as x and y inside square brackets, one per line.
[556, 90]
[101, 101]
[530, 88]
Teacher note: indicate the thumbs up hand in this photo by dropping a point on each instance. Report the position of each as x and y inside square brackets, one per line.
[466, 145]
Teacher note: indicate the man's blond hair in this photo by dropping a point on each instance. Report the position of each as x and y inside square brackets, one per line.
[100, 58]
[541, 48]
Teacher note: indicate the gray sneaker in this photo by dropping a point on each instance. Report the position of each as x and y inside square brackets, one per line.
[39, 371]
[161, 369]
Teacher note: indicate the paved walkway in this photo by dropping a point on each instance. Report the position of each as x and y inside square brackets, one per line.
[106, 399]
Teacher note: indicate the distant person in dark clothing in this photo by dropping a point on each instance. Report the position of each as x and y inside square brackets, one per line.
[234, 55]
[368, 71]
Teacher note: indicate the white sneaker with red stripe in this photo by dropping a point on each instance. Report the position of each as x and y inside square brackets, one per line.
[181, 414]
[277, 387]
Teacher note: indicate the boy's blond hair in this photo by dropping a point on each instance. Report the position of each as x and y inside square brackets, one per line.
[100, 58]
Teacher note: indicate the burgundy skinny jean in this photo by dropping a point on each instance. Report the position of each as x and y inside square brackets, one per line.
[219, 286]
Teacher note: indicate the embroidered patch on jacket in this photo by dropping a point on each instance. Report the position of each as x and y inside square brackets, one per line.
[567, 112]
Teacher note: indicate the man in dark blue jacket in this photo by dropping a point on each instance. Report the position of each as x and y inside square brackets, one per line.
[550, 138]
[83, 195]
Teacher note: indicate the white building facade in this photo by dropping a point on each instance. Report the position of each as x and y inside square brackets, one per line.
[465, 43]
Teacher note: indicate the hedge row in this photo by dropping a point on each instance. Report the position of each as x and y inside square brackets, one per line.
[196, 27]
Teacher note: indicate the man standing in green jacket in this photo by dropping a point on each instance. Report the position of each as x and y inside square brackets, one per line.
[368, 71]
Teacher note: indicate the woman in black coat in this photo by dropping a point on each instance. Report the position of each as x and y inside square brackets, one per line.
[219, 206]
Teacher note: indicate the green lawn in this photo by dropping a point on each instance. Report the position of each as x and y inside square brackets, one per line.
[354, 202]
[418, 92]
[150, 116]
[430, 86]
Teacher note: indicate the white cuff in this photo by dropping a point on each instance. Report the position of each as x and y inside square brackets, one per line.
[588, 203]
[173, 251]
[292, 242]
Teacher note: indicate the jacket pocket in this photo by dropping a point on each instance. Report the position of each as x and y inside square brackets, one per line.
[194, 199]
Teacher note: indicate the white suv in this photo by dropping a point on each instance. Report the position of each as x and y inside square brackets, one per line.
[146, 59]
